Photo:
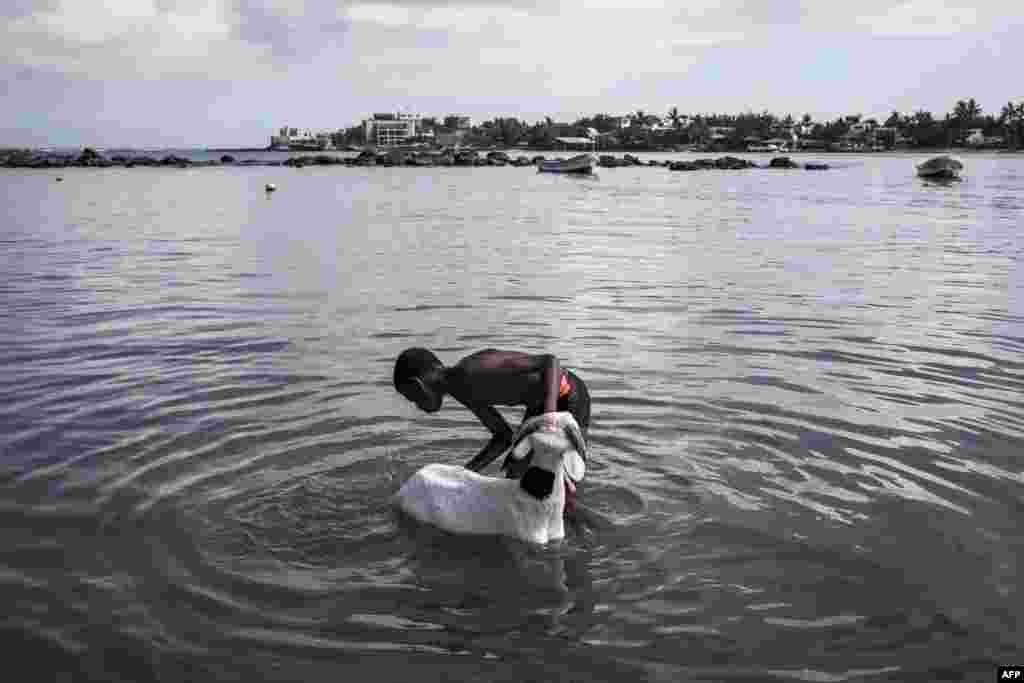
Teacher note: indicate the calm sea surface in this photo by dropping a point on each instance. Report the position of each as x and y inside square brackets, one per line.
[807, 441]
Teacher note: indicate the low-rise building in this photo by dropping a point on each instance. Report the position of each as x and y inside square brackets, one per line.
[300, 139]
[976, 138]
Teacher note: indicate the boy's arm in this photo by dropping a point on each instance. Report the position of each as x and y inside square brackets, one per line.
[501, 440]
[552, 380]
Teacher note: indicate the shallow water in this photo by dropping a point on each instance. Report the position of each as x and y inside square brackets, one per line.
[807, 429]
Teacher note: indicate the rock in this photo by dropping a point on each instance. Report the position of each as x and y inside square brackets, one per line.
[172, 160]
[815, 167]
[782, 162]
[501, 156]
[365, 158]
[88, 155]
[733, 163]
[227, 159]
[683, 166]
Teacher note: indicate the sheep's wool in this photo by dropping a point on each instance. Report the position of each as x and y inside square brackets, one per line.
[465, 502]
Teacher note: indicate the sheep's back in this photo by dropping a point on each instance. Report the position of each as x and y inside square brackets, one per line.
[456, 499]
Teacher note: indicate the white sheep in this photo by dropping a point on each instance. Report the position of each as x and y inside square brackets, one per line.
[464, 502]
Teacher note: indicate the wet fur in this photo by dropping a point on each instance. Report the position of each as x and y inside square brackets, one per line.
[462, 501]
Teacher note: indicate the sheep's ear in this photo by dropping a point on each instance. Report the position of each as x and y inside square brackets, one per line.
[574, 465]
[574, 435]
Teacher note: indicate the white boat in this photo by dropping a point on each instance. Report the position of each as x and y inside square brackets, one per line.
[581, 163]
[940, 168]
[763, 148]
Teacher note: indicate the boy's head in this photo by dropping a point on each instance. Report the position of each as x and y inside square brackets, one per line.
[417, 375]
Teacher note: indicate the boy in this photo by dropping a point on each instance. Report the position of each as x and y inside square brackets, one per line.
[488, 378]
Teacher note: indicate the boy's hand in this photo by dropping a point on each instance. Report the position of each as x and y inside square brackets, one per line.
[550, 422]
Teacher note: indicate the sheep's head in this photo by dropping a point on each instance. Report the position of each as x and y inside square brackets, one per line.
[564, 448]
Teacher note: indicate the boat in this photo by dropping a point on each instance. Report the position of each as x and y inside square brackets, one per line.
[581, 163]
[940, 168]
[763, 148]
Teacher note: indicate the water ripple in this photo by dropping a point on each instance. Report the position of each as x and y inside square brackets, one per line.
[806, 429]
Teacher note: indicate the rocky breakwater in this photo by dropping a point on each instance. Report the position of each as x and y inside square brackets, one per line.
[723, 163]
[736, 164]
[433, 158]
[786, 162]
[609, 161]
[90, 158]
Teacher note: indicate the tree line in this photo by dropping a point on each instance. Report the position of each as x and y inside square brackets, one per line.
[644, 130]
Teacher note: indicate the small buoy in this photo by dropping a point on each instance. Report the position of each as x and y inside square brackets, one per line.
[271, 187]
[59, 179]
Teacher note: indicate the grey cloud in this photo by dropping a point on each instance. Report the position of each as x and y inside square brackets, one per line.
[12, 9]
[771, 11]
[289, 37]
[425, 4]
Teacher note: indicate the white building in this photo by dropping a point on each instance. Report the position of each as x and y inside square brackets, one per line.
[390, 129]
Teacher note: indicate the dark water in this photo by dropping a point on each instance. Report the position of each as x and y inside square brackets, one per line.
[807, 440]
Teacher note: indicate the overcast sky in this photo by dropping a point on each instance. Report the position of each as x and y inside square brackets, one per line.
[227, 72]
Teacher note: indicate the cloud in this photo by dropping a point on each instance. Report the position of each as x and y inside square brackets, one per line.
[321, 63]
[140, 39]
[291, 30]
[920, 19]
[250, 38]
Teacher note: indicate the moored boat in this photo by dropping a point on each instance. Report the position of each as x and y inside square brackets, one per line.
[940, 168]
[581, 163]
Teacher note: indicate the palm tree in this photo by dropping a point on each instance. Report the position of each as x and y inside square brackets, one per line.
[1012, 118]
[673, 114]
[973, 109]
[1007, 113]
[964, 114]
